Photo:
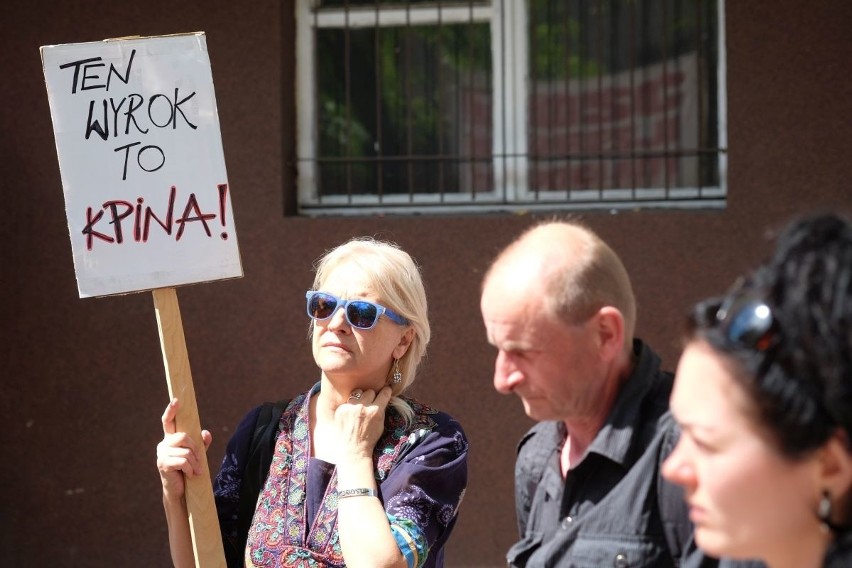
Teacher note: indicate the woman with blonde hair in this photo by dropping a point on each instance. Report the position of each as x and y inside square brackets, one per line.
[360, 474]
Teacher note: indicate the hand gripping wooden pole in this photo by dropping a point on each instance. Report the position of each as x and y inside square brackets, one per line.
[203, 522]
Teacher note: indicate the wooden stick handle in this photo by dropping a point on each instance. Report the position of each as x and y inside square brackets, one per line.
[203, 522]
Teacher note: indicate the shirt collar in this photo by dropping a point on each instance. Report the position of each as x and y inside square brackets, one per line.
[614, 439]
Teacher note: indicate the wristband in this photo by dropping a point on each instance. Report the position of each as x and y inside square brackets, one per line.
[359, 492]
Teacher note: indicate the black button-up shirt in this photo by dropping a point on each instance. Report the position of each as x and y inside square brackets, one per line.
[613, 508]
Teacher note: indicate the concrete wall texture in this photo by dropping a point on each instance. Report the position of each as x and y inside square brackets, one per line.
[83, 384]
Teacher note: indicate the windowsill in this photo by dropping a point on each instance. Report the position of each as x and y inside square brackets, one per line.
[615, 200]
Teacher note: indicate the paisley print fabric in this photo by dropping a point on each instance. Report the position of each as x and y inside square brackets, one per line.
[420, 470]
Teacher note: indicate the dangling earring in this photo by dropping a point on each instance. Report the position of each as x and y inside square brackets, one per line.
[824, 512]
[397, 376]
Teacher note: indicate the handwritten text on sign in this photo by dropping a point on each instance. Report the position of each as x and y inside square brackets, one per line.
[142, 164]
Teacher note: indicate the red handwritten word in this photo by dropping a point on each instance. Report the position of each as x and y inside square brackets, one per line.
[107, 224]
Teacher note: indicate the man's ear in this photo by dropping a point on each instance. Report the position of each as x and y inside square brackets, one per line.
[610, 330]
[404, 343]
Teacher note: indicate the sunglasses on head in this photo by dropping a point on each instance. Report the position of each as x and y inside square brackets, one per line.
[744, 321]
[359, 313]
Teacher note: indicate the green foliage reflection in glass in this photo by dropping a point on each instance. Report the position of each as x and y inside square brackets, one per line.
[402, 96]
[582, 39]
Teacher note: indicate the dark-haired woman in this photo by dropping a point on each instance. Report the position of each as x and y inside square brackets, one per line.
[763, 395]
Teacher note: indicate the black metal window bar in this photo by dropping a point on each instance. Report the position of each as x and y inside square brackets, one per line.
[417, 106]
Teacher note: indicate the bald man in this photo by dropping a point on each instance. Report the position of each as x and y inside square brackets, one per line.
[559, 308]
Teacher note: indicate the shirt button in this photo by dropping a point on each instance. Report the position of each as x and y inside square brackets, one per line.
[566, 522]
[620, 561]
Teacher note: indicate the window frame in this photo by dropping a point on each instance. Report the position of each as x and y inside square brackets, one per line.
[510, 191]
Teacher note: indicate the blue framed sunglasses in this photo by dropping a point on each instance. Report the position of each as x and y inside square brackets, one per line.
[359, 313]
[744, 321]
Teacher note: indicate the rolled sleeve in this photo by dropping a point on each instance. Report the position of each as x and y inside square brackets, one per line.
[423, 492]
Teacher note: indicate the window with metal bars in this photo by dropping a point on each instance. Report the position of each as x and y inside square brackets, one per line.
[450, 106]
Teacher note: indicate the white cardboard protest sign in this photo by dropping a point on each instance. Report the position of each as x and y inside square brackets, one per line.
[147, 199]
[142, 164]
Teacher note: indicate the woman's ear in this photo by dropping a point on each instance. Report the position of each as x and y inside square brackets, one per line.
[404, 343]
[836, 465]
